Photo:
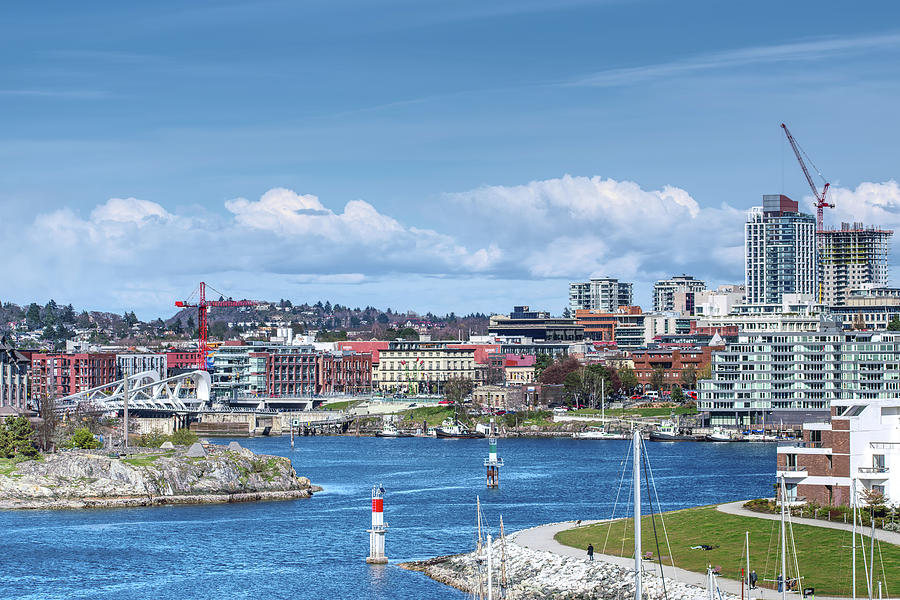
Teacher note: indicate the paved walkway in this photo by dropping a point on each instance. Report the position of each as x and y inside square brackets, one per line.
[737, 508]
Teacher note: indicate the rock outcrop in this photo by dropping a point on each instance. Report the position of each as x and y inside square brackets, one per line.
[83, 480]
[538, 575]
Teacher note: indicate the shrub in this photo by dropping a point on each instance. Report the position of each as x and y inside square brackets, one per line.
[83, 438]
[17, 438]
[760, 505]
[183, 437]
[891, 527]
[154, 439]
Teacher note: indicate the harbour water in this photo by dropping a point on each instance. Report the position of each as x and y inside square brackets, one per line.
[313, 549]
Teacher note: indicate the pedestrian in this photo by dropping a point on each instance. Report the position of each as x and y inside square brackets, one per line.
[780, 583]
[590, 552]
[753, 579]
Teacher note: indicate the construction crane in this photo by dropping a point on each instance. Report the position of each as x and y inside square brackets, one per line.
[820, 197]
[202, 305]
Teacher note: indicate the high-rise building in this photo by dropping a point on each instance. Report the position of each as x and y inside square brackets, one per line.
[779, 251]
[851, 257]
[606, 294]
[665, 291]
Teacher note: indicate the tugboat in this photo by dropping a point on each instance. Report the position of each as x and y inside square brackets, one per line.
[667, 431]
[719, 434]
[452, 428]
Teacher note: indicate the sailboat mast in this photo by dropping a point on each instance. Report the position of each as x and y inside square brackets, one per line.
[490, 570]
[747, 572]
[783, 543]
[637, 513]
[603, 401]
[502, 560]
[478, 508]
[853, 544]
[872, 555]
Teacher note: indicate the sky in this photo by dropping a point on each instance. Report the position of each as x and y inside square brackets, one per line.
[433, 156]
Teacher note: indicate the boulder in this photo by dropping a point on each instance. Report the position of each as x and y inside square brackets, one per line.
[167, 446]
[234, 446]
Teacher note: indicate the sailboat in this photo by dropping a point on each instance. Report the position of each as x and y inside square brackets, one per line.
[599, 433]
[484, 561]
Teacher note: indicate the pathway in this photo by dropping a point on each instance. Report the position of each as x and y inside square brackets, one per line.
[737, 508]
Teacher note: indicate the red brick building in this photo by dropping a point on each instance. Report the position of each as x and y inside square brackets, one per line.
[71, 373]
[601, 326]
[180, 359]
[673, 361]
[345, 373]
[293, 372]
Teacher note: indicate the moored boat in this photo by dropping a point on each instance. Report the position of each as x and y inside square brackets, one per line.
[390, 431]
[719, 434]
[667, 431]
[455, 429]
[596, 433]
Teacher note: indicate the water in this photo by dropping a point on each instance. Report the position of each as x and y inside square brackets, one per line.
[315, 548]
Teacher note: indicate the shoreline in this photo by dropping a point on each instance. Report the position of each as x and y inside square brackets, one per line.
[151, 501]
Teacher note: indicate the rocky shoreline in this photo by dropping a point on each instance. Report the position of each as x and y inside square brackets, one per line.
[540, 575]
[207, 474]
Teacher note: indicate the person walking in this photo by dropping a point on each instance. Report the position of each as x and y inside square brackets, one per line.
[590, 552]
[753, 579]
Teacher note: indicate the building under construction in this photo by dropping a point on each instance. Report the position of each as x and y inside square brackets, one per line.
[851, 257]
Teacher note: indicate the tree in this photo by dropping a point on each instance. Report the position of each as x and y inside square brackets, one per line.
[705, 372]
[84, 320]
[657, 378]
[556, 373]
[382, 318]
[17, 438]
[689, 377]
[190, 323]
[859, 322]
[894, 325]
[177, 328]
[46, 429]
[457, 388]
[677, 394]
[628, 379]
[49, 333]
[33, 316]
[542, 361]
[83, 438]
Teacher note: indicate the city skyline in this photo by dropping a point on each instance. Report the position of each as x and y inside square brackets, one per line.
[367, 156]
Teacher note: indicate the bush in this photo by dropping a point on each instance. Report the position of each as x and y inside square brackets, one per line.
[892, 527]
[154, 439]
[17, 438]
[83, 438]
[760, 505]
[183, 437]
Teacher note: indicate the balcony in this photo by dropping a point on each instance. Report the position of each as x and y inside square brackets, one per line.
[873, 472]
[792, 472]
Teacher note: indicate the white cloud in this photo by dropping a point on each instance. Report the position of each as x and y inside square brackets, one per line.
[870, 203]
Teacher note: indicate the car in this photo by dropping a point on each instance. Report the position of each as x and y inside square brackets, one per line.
[445, 402]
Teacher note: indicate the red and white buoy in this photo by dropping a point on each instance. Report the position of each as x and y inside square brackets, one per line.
[379, 527]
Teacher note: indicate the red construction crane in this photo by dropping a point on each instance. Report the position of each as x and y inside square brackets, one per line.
[203, 305]
[820, 198]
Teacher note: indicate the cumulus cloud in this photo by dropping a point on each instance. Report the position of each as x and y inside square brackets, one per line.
[578, 227]
[542, 234]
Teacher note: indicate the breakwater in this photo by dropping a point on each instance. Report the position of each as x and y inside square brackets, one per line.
[539, 575]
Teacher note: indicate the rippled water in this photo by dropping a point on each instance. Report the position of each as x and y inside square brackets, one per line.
[316, 548]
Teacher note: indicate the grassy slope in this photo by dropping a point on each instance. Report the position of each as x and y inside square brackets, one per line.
[435, 415]
[823, 554]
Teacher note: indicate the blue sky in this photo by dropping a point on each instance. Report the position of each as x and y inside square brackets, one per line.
[423, 155]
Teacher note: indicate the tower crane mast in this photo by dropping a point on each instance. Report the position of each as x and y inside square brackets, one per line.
[203, 305]
[820, 197]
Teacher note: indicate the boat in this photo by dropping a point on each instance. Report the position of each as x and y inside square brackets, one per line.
[455, 429]
[719, 434]
[598, 433]
[390, 431]
[667, 431]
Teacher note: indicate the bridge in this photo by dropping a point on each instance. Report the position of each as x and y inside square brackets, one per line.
[187, 392]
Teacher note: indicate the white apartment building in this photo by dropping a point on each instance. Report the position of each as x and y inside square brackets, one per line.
[774, 375]
[665, 290]
[606, 294]
[131, 364]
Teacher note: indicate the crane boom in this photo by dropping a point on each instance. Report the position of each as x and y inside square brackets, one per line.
[202, 306]
[820, 197]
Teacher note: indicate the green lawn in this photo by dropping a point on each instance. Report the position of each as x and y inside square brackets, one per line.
[435, 415]
[342, 405]
[822, 554]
